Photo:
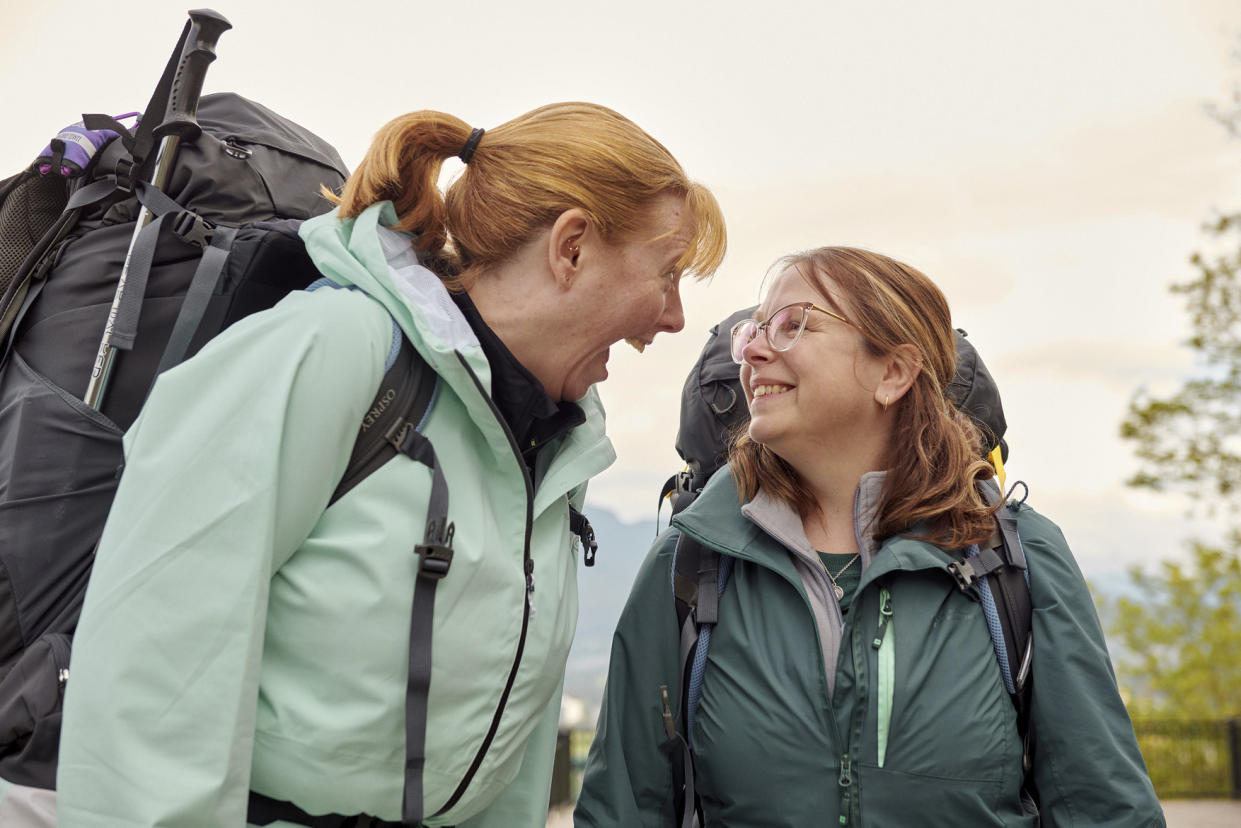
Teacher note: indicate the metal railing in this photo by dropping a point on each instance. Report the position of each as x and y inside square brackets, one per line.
[1186, 758]
[1192, 757]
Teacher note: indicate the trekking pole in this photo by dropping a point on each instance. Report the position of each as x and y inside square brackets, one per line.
[179, 120]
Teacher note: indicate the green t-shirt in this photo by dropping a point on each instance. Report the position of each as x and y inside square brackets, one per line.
[848, 579]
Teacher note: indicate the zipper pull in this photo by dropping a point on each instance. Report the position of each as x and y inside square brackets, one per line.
[885, 615]
[670, 727]
[530, 586]
[846, 782]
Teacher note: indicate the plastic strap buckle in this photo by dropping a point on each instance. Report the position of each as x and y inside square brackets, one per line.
[192, 228]
[435, 552]
[124, 172]
[580, 526]
[434, 560]
[964, 574]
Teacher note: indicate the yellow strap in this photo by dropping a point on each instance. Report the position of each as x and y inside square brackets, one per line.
[997, 459]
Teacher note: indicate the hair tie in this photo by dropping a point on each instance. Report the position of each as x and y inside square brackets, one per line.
[471, 144]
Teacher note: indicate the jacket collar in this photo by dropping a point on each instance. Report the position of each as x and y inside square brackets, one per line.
[715, 519]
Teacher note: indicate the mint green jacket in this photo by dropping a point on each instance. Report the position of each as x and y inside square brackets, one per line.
[240, 634]
[907, 724]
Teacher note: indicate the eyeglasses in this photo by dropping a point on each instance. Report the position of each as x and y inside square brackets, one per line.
[783, 328]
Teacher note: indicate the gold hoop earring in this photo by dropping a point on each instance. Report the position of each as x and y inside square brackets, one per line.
[886, 397]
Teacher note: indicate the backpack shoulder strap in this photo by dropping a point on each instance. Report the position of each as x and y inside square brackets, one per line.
[404, 397]
[391, 426]
[1001, 578]
[699, 575]
[996, 574]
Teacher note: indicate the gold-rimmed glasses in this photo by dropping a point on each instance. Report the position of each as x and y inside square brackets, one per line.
[783, 328]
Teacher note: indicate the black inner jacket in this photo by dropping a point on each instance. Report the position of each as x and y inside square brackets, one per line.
[531, 414]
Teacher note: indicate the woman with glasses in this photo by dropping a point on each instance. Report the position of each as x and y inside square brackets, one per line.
[849, 680]
[252, 649]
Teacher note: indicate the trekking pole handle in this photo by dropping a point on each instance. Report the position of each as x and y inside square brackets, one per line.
[206, 26]
[181, 121]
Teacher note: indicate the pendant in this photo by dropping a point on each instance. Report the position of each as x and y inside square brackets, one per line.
[840, 593]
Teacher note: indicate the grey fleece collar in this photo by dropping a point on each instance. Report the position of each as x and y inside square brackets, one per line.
[781, 522]
[778, 519]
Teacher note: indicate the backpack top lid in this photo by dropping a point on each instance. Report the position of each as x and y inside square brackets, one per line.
[973, 390]
[713, 404]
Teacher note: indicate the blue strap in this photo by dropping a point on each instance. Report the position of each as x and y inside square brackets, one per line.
[994, 628]
[699, 668]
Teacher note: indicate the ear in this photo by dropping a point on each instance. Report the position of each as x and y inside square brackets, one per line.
[901, 368]
[564, 245]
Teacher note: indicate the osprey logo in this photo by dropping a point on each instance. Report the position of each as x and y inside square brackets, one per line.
[381, 406]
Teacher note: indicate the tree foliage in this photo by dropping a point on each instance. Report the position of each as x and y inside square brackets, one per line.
[1191, 441]
[1179, 633]
[1180, 628]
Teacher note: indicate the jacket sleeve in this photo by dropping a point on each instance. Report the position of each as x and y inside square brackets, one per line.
[228, 469]
[523, 804]
[1088, 770]
[628, 780]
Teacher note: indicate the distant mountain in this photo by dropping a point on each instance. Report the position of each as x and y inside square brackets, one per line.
[602, 590]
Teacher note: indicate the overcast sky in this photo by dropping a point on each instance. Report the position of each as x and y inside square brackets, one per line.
[1049, 165]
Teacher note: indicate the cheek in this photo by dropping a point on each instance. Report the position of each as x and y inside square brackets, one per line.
[745, 383]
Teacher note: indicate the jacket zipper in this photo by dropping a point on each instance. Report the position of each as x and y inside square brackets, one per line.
[528, 570]
[884, 643]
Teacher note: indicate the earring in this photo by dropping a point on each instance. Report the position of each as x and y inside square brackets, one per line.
[573, 248]
[885, 403]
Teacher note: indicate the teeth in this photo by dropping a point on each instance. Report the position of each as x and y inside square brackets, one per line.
[637, 344]
[764, 390]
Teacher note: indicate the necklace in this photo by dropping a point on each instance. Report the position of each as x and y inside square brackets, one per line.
[840, 593]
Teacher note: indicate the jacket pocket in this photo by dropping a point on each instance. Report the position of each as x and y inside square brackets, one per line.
[940, 801]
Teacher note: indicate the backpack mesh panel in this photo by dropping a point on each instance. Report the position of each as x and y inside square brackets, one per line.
[26, 214]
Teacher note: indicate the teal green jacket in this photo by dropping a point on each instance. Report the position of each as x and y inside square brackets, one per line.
[909, 725]
[239, 634]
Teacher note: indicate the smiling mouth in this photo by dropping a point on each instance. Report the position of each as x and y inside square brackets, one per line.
[770, 390]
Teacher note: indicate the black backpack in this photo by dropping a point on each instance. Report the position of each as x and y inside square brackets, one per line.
[222, 244]
[713, 408]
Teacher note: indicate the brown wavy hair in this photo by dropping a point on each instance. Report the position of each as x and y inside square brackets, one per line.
[935, 459]
[523, 174]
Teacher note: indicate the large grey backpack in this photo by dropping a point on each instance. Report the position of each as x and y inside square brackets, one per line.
[223, 244]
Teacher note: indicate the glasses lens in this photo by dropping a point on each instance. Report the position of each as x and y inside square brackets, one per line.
[743, 334]
[785, 326]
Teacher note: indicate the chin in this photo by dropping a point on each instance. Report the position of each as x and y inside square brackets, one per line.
[763, 433]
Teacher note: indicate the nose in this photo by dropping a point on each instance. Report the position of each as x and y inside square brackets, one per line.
[673, 317]
[756, 351]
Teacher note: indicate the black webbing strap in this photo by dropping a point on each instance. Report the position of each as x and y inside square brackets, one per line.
[695, 586]
[434, 560]
[263, 810]
[689, 803]
[197, 296]
[405, 392]
[124, 329]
